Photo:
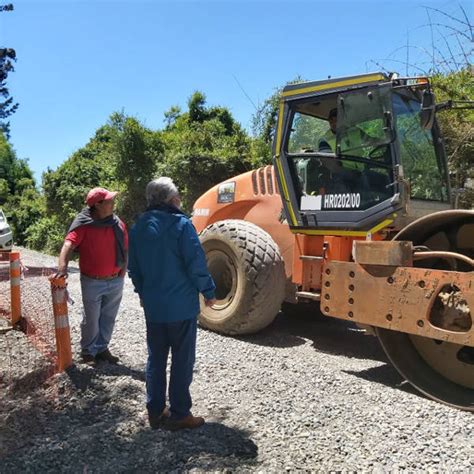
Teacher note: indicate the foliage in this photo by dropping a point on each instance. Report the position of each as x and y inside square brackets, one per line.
[66, 188]
[18, 194]
[24, 210]
[203, 146]
[122, 155]
[458, 130]
[46, 234]
[8, 106]
[448, 59]
[137, 152]
[15, 174]
[264, 121]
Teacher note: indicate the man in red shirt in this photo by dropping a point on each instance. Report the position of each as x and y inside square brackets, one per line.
[102, 241]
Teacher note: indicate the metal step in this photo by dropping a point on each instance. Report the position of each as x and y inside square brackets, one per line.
[308, 295]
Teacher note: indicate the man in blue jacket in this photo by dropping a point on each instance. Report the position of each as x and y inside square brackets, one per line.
[168, 269]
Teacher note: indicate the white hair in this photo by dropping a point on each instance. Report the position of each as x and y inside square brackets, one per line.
[160, 191]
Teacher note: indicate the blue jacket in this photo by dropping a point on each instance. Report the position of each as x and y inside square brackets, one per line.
[167, 265]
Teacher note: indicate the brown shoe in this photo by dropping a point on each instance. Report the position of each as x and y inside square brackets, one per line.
[89, 360]
[107, 356]
[190, 422]
[157, 421]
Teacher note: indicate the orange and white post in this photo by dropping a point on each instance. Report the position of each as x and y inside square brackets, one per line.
[61, 322]
[15, 278]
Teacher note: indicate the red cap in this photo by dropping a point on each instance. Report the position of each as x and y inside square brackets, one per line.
[99, 194]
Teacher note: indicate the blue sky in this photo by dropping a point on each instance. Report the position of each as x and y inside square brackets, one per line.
[80, 61]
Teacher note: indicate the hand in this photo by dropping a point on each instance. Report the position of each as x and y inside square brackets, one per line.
[122, 273]
[210, 302]
[62, 272]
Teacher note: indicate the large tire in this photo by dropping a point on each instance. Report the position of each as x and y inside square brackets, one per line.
[249, 273]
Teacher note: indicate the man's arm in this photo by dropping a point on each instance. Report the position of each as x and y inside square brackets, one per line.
[64, 257]
[134, 270]
[196, 265]
[123, 269]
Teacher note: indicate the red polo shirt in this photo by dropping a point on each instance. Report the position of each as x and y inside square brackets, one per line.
[96, 247]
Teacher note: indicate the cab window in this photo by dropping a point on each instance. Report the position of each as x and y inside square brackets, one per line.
[421, 167]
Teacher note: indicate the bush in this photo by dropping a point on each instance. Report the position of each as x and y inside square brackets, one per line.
[47, 235]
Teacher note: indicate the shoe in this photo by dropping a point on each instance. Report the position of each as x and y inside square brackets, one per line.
[89, 360]
[107, 356]
[189, 422]
[157, 421]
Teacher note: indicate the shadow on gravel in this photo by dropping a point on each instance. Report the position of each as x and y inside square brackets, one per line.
[386, 375]
[329, 335]
[83, 377]
[213, 447]
[31, 380]
[104, 429]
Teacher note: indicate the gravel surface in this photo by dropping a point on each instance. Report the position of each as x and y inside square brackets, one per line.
[307, 393]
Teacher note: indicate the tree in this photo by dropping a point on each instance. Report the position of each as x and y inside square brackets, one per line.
[18, 194]
[203, 146]
[15, 174]
[24, 210]
[446, 57]
[458, 131]
[66, 187]
[137, 152]
[172, 115]
[8, 106]
[264, 125]
[122, 155]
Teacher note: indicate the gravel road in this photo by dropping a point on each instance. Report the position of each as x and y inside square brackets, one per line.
[307, 393]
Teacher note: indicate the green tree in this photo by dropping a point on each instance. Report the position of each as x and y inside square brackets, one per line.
[264, 125]
[7, 58]
[46, 234]
[137, 151]
[203, 146]
[18, 191]
[92, 165]
[122, 155]
[24, 210]
[448, 51]
[66, 187]
[15, 172]
[458, 130]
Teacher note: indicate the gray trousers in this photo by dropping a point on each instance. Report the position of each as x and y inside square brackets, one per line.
[101, 300]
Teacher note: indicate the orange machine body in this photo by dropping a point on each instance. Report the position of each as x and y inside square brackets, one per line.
[254, 197]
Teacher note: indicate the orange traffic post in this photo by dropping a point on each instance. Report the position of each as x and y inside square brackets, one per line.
[61, 322]
[15, 274]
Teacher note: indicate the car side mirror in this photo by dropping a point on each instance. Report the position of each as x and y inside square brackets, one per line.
[427, 112]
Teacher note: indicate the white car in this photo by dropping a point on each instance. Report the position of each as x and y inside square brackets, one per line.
[6, 237]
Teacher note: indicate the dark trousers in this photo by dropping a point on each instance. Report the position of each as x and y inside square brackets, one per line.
[180, 337]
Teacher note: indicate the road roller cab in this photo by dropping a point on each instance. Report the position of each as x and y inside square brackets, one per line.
[355, 215]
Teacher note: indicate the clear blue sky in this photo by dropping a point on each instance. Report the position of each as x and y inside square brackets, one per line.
[80, 61]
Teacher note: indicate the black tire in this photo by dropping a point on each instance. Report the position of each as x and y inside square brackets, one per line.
[249, 273]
